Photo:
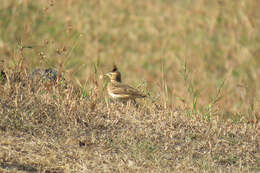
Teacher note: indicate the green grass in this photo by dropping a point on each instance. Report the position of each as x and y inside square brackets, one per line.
[197, 61]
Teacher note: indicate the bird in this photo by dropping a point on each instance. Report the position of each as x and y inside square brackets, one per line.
[119, 91]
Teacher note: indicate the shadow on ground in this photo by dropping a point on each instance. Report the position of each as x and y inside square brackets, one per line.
[18, 166]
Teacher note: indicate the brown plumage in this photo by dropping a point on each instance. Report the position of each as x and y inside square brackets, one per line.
[121, 91]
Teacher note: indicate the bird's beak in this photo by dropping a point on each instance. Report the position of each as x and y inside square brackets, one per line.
[107, 75]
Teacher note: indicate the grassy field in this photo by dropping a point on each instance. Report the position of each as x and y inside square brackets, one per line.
[198, 62]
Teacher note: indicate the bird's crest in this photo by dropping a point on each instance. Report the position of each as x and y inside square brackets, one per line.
[114, 68]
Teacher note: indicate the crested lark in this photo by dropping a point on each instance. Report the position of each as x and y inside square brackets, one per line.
[120, 91]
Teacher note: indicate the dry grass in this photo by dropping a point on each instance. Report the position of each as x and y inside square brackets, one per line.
[197, 60]
[55, 129]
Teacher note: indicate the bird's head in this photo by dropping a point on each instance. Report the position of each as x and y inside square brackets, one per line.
[114, 75]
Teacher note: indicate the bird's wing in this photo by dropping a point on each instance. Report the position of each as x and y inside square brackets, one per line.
[126, 90]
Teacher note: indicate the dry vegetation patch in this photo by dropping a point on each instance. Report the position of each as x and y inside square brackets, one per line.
[56, 129]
